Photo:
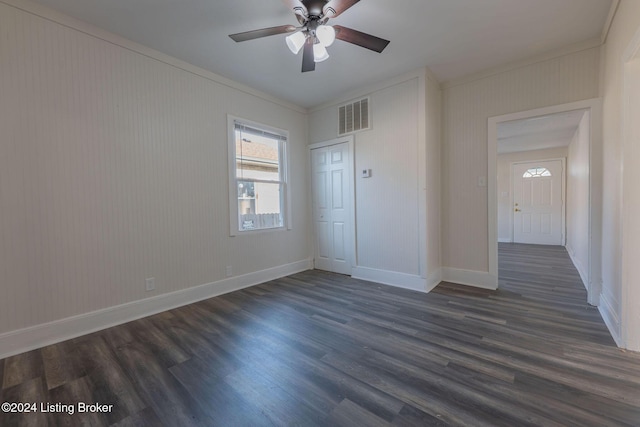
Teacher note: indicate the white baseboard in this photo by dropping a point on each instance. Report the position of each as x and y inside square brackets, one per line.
[611, 319]
[392, 278]
[478, 279]
[504, 240]
[581, 270]
[19, 341]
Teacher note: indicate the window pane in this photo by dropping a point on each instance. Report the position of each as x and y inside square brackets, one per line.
[259, 205]
[536, 173]
[258, 175]
[257, 156]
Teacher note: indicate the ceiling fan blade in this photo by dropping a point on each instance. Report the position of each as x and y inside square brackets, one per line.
[297, 6]
[264, 32]
[361, 39]
[308, 64]
[335, 7]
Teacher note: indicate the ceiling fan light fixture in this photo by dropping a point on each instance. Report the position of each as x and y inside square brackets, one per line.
[320, 53]
[314, 36]
[295, 41]
[326, 35]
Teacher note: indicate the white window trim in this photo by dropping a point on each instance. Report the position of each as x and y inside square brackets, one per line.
[234, 227]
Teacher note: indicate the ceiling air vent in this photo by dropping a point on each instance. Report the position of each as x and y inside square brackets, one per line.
[353, 117]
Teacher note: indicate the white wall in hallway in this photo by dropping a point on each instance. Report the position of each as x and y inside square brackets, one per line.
[578, 199]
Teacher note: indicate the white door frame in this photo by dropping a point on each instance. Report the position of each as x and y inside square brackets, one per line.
[351, 197]
[564, 197]
[594, 106]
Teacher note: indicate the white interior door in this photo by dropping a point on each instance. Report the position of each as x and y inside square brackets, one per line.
[538, 211]
[332, 208]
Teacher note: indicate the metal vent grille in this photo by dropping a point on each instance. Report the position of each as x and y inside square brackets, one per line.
[353, 117]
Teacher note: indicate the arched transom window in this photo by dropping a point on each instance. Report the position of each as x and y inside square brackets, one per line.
[536, 173]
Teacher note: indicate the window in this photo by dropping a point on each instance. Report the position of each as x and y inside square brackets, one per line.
[257, 176]
[536, 173]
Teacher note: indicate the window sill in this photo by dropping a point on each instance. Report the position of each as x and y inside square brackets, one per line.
[259, 231]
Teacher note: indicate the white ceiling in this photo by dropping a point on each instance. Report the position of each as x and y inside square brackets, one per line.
[538, 133]
[453, 38]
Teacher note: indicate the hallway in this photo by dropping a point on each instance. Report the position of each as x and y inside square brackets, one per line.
[554, 300]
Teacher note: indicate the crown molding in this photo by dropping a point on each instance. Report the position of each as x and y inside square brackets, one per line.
[588, 44]
[83, 27]
[607, 25]
[420, 73]
[567, 50]
[431, 76]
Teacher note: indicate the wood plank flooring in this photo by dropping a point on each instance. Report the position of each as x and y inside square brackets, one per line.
[321, 349]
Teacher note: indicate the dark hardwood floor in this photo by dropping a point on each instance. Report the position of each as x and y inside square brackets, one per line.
[324, 349]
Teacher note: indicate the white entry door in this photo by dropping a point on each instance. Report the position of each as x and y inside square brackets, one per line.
[538, 212]
[332, 208]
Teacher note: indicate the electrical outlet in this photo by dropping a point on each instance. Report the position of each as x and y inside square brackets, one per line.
[150, 284]
[229, 271]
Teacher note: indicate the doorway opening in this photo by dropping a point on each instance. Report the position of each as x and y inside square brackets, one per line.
[525, 151]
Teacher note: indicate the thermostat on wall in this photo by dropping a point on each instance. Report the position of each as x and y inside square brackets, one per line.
[366, 173]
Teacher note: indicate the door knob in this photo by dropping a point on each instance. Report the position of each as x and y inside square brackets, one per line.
[517, 210]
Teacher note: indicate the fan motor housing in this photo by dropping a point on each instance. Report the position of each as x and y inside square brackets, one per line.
[314, 7]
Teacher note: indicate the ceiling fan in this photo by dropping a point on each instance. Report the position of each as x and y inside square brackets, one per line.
[313, 36]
